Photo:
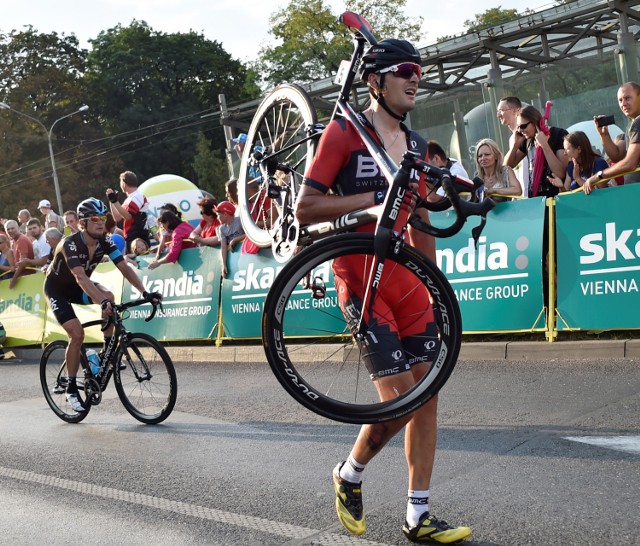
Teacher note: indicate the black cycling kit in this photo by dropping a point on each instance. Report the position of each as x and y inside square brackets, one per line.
[60, 285]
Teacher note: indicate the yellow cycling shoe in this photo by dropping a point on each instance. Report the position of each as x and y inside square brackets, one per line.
[349, 503]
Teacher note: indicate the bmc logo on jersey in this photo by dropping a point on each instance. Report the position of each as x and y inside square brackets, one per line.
[367, 167]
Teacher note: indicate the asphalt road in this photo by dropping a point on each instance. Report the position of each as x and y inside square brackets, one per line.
[238, 462]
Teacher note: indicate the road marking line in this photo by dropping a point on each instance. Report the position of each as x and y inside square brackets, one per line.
[192, 510]
[628, 444]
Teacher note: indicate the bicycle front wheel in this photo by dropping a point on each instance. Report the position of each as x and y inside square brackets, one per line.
[336, 371]
[279, 126]
[147, 386]
[54, 380]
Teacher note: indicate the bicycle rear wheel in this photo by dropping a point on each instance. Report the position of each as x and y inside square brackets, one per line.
[147, 386]
[314, 355]
[278, 127]
[54, 379]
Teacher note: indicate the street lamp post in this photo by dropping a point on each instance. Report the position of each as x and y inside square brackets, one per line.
[49, 132]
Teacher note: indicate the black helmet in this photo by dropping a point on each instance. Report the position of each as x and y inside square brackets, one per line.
[386, 53]
[91, 207]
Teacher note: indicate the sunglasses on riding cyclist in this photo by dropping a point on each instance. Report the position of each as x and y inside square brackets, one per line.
[96, 218]
[404, 70]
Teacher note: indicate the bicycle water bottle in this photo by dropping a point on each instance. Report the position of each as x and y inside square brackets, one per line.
[94, 362]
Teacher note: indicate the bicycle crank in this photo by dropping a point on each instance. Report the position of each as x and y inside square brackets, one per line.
[93, 391]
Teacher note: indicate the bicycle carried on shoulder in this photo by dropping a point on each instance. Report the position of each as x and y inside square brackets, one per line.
[315, 348]
[143, 373]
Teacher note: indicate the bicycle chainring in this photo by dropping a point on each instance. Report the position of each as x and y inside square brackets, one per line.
[93, 391]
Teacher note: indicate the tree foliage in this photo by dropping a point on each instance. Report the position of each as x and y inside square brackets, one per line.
[147, 93]
[311, 41]
[311, 44]
[210, 167]
[41, 76]
[158, 86]
[491, 18]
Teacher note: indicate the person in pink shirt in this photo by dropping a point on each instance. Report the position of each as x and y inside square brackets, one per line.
[180, 237]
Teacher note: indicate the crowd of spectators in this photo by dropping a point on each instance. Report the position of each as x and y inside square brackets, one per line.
[27, 244]
[569, 161]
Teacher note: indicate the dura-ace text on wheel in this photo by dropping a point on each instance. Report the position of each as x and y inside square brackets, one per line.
[278, 150]
[53, 379]
[147, 385]
[312, 351]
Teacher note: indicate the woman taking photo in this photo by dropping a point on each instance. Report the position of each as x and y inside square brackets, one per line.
[499, 180]
[527, 138]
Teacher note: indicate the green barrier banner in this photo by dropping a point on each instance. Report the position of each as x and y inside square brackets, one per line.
[23, 309]
[598, 240]
[191, 294]
[498, 283]
[245, 289]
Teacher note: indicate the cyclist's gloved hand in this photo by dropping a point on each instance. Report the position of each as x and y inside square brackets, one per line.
[410, 197]
[113, 196]
[152, 297]
[107, 306]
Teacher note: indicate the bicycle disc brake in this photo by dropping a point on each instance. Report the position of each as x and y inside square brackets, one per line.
[93, 391]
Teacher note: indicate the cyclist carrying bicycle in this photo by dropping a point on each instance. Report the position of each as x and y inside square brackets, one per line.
[68, 281]
[396, 351]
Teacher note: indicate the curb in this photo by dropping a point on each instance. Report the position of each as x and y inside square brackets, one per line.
[489, 350]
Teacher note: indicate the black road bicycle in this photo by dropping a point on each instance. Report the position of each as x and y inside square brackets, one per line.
[313, 352]
[143, 373]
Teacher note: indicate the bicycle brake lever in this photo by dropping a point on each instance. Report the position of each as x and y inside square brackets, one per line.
[106, 322]
[155, 310]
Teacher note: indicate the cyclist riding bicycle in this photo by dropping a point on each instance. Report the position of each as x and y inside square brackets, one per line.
[68, 281]
[397, 351]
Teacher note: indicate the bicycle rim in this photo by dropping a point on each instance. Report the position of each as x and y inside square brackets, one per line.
[53, 379]
[280, 123]
[314, 355]
[147, 386]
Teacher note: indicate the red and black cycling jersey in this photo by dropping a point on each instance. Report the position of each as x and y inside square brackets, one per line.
[400, 325]
[344, 164]
[73, 252]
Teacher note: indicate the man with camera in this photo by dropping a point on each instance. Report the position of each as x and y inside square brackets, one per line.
[133, 211]
[626, 153]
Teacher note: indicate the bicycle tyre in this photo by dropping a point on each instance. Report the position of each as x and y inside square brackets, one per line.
[53, 375]
[147, 386]
[330, 379]
[286, 112]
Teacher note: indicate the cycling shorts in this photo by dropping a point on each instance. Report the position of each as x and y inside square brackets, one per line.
[60, 300]
[400, 329]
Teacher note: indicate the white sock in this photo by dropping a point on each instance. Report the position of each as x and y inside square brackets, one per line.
[417, 504]
[352, 470]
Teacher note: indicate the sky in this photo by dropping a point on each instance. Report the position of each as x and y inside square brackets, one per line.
[242, 26]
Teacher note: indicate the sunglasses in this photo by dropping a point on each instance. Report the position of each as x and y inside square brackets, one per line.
[404, 70]
[523, 126]
[97, 218]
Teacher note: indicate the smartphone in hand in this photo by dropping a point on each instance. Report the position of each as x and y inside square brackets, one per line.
[603, 121]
